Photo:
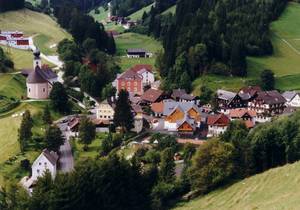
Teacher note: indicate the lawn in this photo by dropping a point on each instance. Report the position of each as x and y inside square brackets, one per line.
[21, 58]
[34, 24]
[139, 14]
[277, 188]
[284, 62]
[171, 10]
[101, 16]
[12, 85]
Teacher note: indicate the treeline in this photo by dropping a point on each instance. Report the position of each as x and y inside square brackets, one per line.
[6, 63]
[211, 36]
[83, 6]
[6, 5]
[127, 7]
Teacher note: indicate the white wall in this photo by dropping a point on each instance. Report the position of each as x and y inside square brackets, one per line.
[41, 165]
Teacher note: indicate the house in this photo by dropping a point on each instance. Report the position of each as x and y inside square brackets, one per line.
[14, 39]
[292, 98]
[217, 124]
[247, 116]
[146, 72]
[181, 117]
[46, 161]
[268, 102]
[102, 126]
[181, 96]
[157, 109]
[248, 93]
[73, 124]
[105, 110]
[228, 100]
[138, 53]
[40, 80]
[152, 96]
[130, 81]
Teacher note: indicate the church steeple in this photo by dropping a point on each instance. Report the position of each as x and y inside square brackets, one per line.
[37, 61]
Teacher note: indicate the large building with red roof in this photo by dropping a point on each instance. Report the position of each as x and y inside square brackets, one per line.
[130, 81]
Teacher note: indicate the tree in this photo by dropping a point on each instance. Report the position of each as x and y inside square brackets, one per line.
[25, 130]
[89, 44]
[167, 166]
[267, 79]
[206, 95]
[87, 132]
[59, 98]
[185, 82]
[238, 60]
[54, 138]
[123, 116]
[47, 116]
[212, 165]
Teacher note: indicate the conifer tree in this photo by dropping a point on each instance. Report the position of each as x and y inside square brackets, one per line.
[47, 116]
[167, 166]
[54, 138]
[25, 130]
[87, 132]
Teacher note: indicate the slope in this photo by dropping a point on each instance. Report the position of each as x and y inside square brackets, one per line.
[139, 14]
[277, 188]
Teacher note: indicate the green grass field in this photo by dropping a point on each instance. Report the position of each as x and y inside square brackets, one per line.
[45, 30]
[139, 14]
[133, 40]
[12, 85]
[275, 189]
[171, 10]
[101, 16]
[284, 62]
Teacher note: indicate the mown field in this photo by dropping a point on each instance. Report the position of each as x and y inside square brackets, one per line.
[139, 14]
[284, 62]
[46, 31]
[276, 189]
[101, 16]
[133, 40]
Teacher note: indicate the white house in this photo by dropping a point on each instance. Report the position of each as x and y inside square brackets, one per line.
[292, 98]
[217, 124]
[46, 161]
[105, 111]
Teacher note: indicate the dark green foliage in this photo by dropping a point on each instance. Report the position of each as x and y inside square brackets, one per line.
[59, 98]
[206, 95]
[6, 5]
[124, 8]
[25, 133]
[47, 116]
[54, 138]
[167, 166]
[212, 165]
[6, 63]
[87, 132]
[267, 80]
[166, 141]
[123, 116]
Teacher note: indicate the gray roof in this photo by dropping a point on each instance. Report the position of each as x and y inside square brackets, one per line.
[289, 95]
[136, 50]
[40, 75]
[51, 156]
[187, 119]
[169, 107]
[225, 95]
[271, 97]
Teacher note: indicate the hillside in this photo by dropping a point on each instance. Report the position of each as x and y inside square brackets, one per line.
[171, 10]
[45, 30]
[101, 16]
[139, 14]
[278, 188]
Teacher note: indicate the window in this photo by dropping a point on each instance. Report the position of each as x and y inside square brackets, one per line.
[135, 89]
[123, 83]
[135, 83]
[128, 83]
[40, 163]
[44, 90]
[29, 90]
[38, 171]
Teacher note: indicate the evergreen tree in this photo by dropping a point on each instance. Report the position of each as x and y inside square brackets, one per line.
[123, 116]
[59, 98]
[167, 166]
[54, 138]
[267, 80]
[185, 82]
[87, 132]
[238, 61]
[47, 116]
[25, 133]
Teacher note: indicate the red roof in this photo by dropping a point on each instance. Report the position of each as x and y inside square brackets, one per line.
[240, 112]
[220, 120]
[249, 124]
[158, 107]
[130, 75]
[152, 95]
[139, 67]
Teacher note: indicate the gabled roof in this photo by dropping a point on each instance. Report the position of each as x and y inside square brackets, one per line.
[39, 75]
[220, 120]
[240, 112]
[251, 90]
[152, 95]
[139, 67]
[169, 107]
[130, 75]
[186, 119]
[225, 95]
[177, 93]
[136, 50]
[51, 156]
[271, 97]
[289, 95]
[157, 107]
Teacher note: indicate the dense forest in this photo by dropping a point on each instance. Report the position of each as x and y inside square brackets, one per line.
[83, 6]
[127, 7]
[5, 62]
[211, 36]
[6, 5]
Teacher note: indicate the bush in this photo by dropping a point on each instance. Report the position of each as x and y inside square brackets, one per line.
[25, 164]
[220, 69]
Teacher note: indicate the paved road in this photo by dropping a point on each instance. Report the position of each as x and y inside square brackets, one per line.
[66, 160]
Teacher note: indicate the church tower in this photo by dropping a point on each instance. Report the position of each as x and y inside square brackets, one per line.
[37, 61]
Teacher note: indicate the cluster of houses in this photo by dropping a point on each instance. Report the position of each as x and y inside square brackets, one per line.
[14, 39]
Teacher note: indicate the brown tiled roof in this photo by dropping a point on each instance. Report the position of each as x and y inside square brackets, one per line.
[36, 76]
[271, 97]
[158, 107]
[240, 112]
[139, 67]
[152, 95]
[131, 75]
[219, 119]
[177, 93]
[249, 124]
[51, 156]
[250, 90]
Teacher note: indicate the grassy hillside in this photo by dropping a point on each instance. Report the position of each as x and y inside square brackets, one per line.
[171, 10]
[139, 14]
[275, 189]
[101, 16]
[133, 40]
[284, 62]
[45, 30]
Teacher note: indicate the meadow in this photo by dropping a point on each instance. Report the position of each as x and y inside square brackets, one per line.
[277, 188]
[43, 28]
[103, 14]
[139, 14]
